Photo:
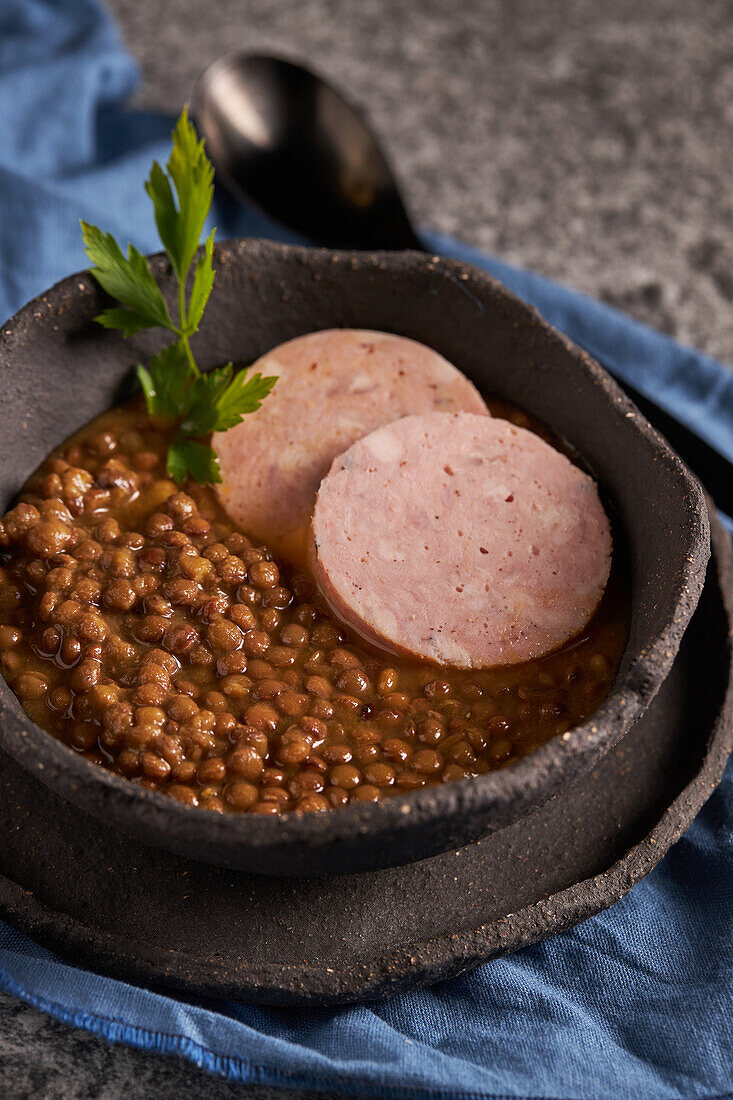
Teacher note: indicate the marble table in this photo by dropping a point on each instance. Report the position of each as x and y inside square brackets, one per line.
[591, 142]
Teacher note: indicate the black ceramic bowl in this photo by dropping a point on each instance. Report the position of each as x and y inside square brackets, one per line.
[59, 370]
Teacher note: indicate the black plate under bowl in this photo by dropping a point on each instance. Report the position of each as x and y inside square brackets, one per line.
[59, 369]
[146, 916]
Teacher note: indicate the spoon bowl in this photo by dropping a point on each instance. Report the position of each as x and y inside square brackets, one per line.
[282, 137]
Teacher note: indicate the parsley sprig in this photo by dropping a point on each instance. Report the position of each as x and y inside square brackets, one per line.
[175, 389]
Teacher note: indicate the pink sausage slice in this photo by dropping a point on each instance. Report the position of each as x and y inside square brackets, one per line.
[461, 539]
[334, 387]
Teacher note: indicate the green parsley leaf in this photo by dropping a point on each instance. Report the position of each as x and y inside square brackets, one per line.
[221, 399]
[187, 458]
[193, 177]
[129, 320]
[243, 395]
[166, 383]
[166, 216]
[206, 393]
[129, 280]
[203, 280]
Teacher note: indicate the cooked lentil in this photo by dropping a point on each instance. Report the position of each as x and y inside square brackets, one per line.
[145, 632]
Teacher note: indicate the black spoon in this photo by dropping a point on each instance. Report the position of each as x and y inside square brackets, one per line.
[282, 137]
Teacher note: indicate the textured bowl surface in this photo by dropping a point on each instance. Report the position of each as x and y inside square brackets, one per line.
[59, 370]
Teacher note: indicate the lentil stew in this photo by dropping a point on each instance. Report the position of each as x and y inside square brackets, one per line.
[147, 633]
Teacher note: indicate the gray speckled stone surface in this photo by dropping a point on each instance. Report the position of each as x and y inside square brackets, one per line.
[591, 142]
[41, 1059]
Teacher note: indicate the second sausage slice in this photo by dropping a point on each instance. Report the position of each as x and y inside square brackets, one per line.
[460, 539]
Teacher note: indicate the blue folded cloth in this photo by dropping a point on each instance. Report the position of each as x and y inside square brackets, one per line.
[635, 1003]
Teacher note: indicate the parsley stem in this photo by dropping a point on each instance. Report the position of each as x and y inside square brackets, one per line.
[189, 356]
[182, 333]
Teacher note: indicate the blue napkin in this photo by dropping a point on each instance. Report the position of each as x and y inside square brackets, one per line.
[635, 1003]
